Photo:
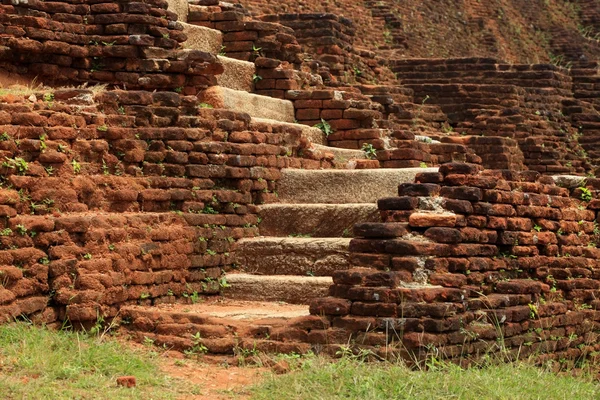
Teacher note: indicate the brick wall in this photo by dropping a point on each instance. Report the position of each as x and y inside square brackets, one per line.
[125, 197]
[135, 45]
[490, 98]
[467, 257]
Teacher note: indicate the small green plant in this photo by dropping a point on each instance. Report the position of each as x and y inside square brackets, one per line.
[48, 97]
[87, 256]
[211, 252]
[423, 164]
[144, 296]
[205, 105]
[21, 230]
[209, 210]
[4, 137]
[17, 163]
[44, 261]
[178, 89]
[300, 235]
[222, 51]
[43, 145]
[256, 78]
[370, 151]
[586, 194]
[111, 247]
[197, 346]
[533, 311]
[76, 166]
[223, 283]
[537, 228]
[194, 297]
[6, 232]
[324, 127]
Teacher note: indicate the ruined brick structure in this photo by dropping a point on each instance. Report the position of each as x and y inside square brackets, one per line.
[313, 155]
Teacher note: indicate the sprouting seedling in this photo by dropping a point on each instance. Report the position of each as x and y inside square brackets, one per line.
[325, 127]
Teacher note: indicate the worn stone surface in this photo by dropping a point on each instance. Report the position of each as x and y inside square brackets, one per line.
[255, 105]
[289, 289]
[292, 255]
[315, 220]
[343, 186]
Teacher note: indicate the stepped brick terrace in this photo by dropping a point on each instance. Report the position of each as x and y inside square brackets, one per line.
[304, 177]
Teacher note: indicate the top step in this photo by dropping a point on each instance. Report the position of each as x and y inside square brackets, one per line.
[179, 7]
[256, 106]
[202, 38]
[341, 186]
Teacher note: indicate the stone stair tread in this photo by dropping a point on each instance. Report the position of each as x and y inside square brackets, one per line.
[214, 309]
[255, 105]
[315, 135]
[179, 7]
[281, 219]
[289, 256]
[202, 38]
[237, 74]
[288, 288]
[342, 154]
[338, 186]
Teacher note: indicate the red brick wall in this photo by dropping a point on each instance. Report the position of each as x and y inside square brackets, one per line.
[126, 197]
[465, 257]
[135, 45]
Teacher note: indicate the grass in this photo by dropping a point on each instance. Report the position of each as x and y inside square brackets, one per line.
[39, 363]
[317, 378]
[35, 88]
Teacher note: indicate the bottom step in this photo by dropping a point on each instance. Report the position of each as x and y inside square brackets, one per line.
[223, 326]
[286, 288]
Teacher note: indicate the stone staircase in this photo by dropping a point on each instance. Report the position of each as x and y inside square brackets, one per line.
[304, 239]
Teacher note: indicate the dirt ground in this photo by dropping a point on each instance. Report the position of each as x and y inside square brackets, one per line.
[216, 381]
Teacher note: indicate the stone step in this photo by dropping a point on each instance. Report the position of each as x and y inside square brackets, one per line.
[287, 288]
[339, 186]
[316, 220]
[255, 105]
[179, 7]
[222, 326]
[237, 74]
[314, 135]
[202, 38]
[292, 255]
[342, 156]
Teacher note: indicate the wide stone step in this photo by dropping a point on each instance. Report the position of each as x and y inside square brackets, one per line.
[255, 105]
[314, 135]
[287, 288]
[316, 220]
[292, 255]
[342, 156]
[237, 74]
[202, 38]
[222, 326]
[341, 186]
[179, 7]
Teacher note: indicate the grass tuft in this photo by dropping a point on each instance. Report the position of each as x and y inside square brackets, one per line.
[317, 378]
[39, 363]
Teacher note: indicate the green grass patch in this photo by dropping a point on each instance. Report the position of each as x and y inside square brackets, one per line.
[316, 378]
[39, 363]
